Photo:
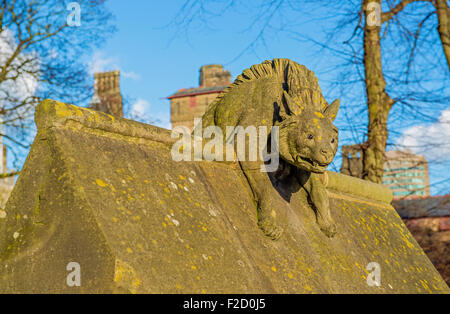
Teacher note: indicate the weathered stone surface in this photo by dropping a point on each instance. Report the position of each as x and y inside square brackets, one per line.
[105, 193]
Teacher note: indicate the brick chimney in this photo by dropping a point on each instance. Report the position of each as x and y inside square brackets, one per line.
[214, 75]
[107, 97]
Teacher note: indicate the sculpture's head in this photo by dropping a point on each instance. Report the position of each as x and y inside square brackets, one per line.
[308, 138]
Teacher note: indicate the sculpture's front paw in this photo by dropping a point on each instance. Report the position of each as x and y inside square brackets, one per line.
[270, 228]
[329, 231]
[328, 227]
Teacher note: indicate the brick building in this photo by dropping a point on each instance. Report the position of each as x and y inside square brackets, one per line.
[187, 104]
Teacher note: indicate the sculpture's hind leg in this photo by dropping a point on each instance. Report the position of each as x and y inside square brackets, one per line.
[270, 205]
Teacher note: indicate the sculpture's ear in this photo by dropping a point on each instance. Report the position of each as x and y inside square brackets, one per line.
[332, 110]
[290, 105]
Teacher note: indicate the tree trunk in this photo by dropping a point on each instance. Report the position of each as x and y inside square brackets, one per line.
[443, 13]
[378, 101]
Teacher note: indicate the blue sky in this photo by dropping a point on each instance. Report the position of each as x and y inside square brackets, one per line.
[156, 59]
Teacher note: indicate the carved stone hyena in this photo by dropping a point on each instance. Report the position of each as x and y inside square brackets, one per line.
[286, 94]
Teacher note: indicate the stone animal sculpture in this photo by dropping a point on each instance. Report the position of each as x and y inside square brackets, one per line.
[286, 94]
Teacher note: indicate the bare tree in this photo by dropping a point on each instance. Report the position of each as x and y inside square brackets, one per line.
[443, 14]
[41, 47]
[379, 101]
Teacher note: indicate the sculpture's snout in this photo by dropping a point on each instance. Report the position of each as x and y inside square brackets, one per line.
[327, 154]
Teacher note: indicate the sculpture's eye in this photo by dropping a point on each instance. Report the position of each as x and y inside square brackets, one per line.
[310, 136]
[332, 140]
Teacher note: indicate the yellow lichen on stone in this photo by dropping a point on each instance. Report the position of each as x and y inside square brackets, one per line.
[125, 276]
[316, 123]
[101, 183]
[62, 110]
[111, 117]
[318, 114]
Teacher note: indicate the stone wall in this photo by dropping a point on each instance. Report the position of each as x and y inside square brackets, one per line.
[104, 193]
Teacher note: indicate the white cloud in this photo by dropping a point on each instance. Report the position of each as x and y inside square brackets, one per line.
[139, 107]
[141, 111]
[132, 75]
[162, 119]
[101, 63]
[431, 140]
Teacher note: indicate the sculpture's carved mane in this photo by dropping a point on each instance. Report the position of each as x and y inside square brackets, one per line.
[300, 82]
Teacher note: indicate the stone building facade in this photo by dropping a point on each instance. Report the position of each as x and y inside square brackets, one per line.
[187, 104]
[107, 97]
